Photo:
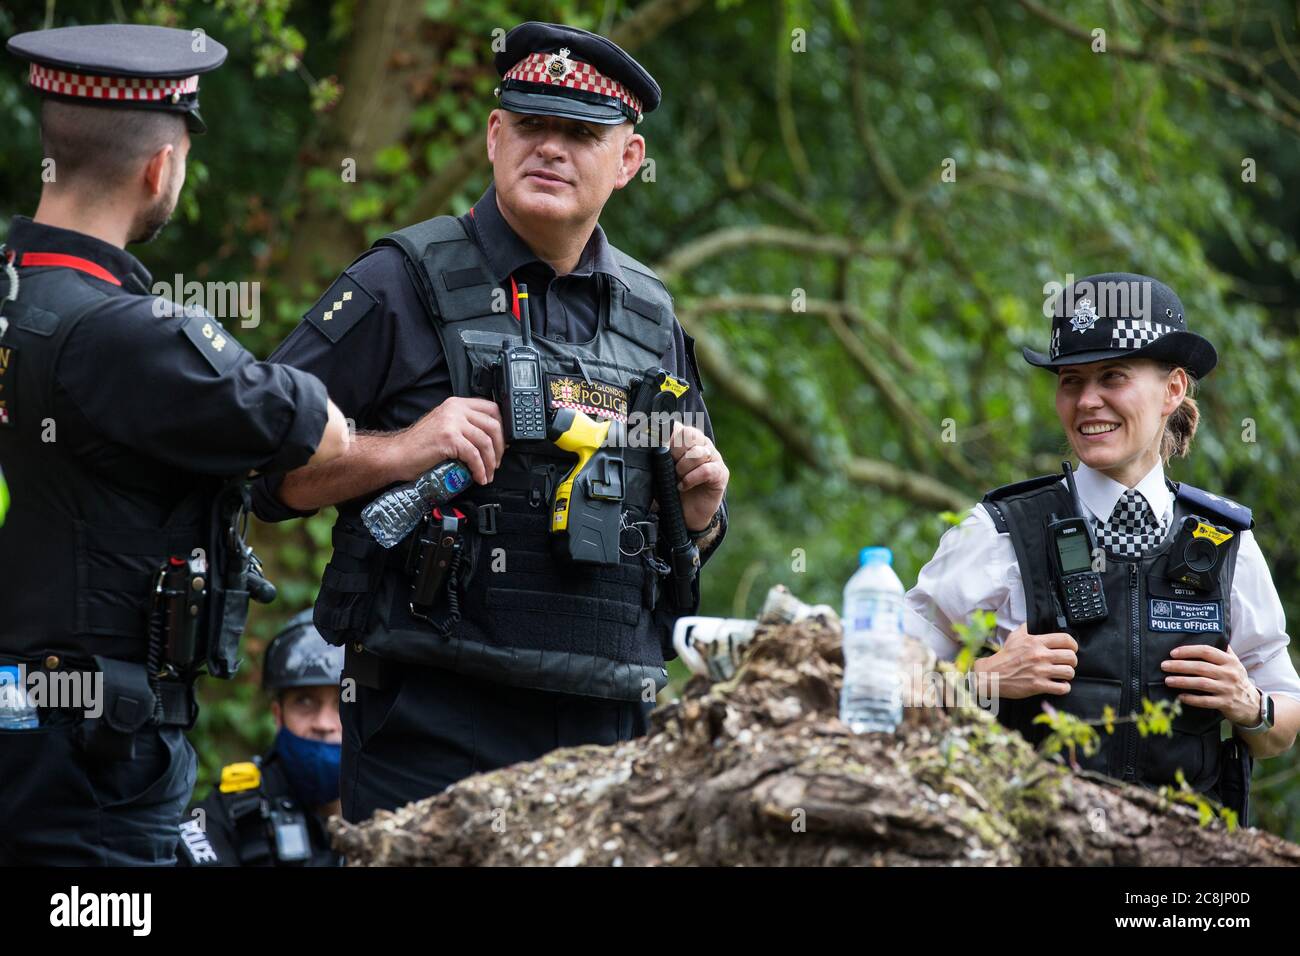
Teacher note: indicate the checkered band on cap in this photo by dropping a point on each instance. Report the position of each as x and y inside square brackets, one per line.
[88, 86]
[579, 76]
[1056, 342]
[1137, 333]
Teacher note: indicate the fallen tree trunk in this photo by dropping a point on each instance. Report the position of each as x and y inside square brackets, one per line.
[760, 771]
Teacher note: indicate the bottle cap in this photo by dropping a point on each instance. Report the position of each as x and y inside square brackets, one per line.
[875, 556]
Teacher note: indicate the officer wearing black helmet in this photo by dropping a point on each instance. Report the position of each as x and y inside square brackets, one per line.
[519, 652]
[127, 425]
[270, 811]
[1175, 604]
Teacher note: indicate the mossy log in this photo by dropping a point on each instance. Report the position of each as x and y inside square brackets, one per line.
[760, 771]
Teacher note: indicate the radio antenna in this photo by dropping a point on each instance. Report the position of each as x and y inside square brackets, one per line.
[525, 320]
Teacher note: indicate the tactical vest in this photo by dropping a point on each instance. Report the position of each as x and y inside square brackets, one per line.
[1119, 658]
[81, 553]
[265, 823]
[523, 615]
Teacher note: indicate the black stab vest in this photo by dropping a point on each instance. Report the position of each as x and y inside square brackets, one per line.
[1120, 657]
[528, 617]
[78, 553]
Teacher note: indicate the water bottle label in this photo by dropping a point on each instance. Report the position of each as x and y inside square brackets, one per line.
[456, 478]
[877, 614]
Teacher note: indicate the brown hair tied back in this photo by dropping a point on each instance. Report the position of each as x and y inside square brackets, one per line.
[1180, 427]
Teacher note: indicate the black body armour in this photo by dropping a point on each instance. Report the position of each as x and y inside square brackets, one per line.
[1119, 658]
[515, 611]
[81, 555]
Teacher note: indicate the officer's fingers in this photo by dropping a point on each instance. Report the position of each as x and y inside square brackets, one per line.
[1063, 655]
[1060, 672]
[1188, 667]
[685, 438]
[1057, 687]
[711, 474]
[1204, 685]
[483, 442]
[1202, 652]
[494, 430]
[482, 406]
[1058, 639]
[470, 457]
[697, 453]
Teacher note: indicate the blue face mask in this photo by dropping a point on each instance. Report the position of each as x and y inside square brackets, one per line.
[312, 766]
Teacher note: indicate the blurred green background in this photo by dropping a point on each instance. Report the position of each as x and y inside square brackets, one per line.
[856, 205]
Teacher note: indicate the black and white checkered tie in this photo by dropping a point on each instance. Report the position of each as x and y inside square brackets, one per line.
[1132, 529]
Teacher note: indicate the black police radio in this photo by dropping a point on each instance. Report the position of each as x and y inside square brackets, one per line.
[1071, 546]
[519, 383]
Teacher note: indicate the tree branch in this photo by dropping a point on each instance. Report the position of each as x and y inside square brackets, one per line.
[714, 244]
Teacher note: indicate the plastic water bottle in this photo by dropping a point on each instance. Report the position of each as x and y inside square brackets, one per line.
[16, 710]
[871, 698]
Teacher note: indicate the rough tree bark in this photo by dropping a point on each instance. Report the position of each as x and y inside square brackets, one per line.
[760, 771]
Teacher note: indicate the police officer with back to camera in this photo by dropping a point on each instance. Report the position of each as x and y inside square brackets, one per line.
[125, 424]
[520, 648]
[271, 811]
[1126, 586]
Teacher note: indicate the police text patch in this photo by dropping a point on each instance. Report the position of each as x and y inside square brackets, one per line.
[8, 376]
[343, 305]
[1186, 617]
[213, 342]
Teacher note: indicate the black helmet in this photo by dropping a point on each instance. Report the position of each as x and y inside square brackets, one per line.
[300, 657]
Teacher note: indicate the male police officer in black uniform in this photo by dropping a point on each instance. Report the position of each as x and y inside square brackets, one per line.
[523, 651]
[270, 811]
[121, 418]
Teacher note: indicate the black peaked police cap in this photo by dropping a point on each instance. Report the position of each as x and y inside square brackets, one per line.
[121, 64]
[1122, 315]
[554, 70]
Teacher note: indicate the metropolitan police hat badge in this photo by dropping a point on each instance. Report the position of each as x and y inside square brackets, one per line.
[1118, 315]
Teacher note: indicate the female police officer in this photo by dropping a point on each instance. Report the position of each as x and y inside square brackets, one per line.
[1189, 611]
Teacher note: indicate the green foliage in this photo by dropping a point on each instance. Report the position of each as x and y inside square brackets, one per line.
[1066, 162]
[1072, 734]
[974, 638]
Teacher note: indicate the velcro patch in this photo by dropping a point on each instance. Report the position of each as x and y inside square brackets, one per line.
[1185, 616]
[213, 342]
[343, 305]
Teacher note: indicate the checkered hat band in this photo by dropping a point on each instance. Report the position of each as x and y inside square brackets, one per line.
[580, 76]
[87, 86]
[1136, 333]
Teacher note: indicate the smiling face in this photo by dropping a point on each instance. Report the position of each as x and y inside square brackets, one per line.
[553, 171]
[1114, 413]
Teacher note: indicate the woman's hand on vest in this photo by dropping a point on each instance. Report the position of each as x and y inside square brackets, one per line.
[702, 475]
[1030, 664]
[1216, 679]
[467, 429]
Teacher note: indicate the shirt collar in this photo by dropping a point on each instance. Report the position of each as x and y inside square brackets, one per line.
[26, 235]
[507, 253]
[1100, 493]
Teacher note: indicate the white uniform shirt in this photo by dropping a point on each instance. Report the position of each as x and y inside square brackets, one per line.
[975, 568]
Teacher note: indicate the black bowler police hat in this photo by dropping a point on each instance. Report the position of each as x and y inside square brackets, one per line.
[300, 657]
[122, 64]
[554, 70]
[1122, 315]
